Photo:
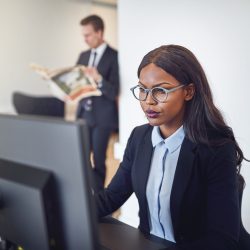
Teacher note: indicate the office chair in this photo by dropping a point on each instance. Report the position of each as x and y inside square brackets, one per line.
[244, 240]
[43, 105]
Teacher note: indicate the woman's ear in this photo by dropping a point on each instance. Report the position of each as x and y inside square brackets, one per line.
[189, 91]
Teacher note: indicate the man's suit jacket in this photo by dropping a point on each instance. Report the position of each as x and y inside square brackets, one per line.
[204, 197]
[104, 110]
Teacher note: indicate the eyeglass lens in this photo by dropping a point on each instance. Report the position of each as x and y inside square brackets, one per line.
[157, 93]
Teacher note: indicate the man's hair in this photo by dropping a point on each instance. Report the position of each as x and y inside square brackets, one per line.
[95, 21]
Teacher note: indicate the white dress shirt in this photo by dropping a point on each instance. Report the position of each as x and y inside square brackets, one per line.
[99, 52]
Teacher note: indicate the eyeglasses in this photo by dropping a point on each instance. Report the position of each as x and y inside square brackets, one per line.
[159, 94]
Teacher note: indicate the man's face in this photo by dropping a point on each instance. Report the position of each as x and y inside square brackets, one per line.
[91, 37]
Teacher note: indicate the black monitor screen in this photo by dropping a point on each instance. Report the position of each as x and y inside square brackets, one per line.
[44, 149]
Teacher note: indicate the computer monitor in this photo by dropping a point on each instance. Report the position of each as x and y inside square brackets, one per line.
[47, 162]
[28, 215]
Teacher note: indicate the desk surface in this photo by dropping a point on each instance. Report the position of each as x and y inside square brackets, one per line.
[116, 235]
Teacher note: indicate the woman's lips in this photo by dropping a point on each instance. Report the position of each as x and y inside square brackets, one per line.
[152, 114]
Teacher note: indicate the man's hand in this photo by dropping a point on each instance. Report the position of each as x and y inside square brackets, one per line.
[87, 89]
[93, 72]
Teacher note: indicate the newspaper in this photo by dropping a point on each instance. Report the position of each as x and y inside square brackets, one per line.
[69, 84]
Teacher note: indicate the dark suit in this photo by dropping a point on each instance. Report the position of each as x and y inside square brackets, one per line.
[102, 118]
[204, 198]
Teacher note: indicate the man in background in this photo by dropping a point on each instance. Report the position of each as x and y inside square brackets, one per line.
[100, 112]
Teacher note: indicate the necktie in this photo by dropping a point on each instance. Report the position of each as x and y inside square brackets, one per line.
[88, 101]
[94, 59]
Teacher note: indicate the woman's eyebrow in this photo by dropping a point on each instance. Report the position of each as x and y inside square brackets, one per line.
[158, 84]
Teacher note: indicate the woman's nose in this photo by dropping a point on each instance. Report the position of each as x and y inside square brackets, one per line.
[149, 100]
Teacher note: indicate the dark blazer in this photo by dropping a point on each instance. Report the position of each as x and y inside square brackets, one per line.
[104, 108]
[204, 197]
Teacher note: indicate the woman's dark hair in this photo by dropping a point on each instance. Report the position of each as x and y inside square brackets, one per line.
[203, 122]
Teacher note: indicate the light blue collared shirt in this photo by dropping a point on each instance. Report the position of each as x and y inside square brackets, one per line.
[160, 181]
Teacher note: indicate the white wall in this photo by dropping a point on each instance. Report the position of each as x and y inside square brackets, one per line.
[219, 35]
[45, 32]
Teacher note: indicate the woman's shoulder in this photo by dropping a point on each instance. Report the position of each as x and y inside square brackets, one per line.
[143, 128]
[218, 148]
[142, 132]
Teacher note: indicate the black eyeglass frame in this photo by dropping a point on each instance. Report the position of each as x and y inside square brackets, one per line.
[167, 91]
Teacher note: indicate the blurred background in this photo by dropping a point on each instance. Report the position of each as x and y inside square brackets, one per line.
[47, 32]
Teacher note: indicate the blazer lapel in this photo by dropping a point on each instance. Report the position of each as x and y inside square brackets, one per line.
[181, 178]
[143, 165]
[84, 60]
[103, 59]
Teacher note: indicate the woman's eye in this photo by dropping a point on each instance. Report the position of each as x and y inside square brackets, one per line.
[141, 89]
[159, 91]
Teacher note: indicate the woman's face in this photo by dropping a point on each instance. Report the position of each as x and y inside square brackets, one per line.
[169, 114]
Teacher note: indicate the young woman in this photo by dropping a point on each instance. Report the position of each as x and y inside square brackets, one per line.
[183, 165]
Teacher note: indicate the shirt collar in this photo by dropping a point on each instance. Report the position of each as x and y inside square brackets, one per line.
[99, 50]
[172, 142]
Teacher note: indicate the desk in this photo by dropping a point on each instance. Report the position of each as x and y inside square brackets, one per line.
[116, 235]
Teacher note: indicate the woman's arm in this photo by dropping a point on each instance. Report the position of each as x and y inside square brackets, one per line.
[120, 188]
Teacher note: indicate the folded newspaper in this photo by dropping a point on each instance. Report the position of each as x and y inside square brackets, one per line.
[68, 84]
